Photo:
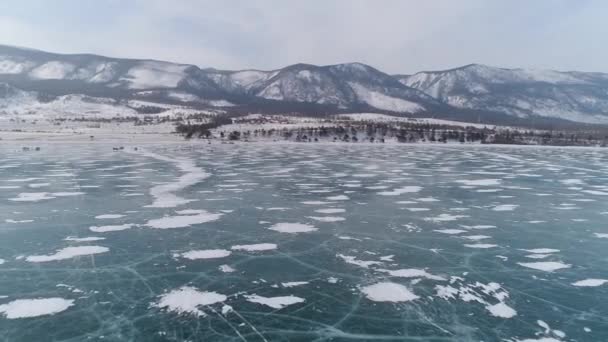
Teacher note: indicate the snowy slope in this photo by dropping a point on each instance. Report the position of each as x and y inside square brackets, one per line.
[574, 96]
[381, 101]
[147, 75]
[350, 85]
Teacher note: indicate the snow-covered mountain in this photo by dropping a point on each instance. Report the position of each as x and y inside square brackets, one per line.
[33, 81]
[573, 96]
[342, 87]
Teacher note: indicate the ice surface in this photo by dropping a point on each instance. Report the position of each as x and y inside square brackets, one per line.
[542, 262]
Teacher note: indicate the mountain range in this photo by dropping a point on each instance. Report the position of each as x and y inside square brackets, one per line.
[38, 82]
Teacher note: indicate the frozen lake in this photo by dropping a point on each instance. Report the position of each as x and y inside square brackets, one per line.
[303, 242]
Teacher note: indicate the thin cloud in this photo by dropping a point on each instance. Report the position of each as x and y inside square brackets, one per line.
[397, 36]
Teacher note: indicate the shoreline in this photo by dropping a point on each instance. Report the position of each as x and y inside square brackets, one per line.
[33, 139]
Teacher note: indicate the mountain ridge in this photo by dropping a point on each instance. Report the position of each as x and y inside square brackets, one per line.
[473, 90]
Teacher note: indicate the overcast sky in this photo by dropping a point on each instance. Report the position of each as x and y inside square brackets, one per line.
[396, 36]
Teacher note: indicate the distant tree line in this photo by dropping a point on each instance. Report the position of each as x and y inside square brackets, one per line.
[403, 132]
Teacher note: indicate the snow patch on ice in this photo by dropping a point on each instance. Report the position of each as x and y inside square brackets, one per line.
[412, 273]
[275, 302]
[255, 247]
[505, 207]
[547, 266]
[111, 228]
[205, 254]
[25, 308]
[327, 218]
[401, 191]
[164, 194]
[187, 300]
[68, 253]
[182, 221]
[109, 216]
[292, 228]
[388, 292]
[84, 239]
[590, 282]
